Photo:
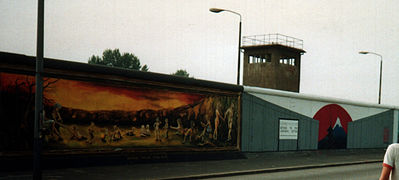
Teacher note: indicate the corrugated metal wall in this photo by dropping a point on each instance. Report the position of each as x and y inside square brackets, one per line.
[260, 127]
[371, 132]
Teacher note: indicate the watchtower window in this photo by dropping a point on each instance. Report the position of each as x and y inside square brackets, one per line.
[288, 61]
[268, 57]
[259, 58]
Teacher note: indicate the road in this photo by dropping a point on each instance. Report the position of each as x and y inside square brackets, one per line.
[361, 171]
[159, 171]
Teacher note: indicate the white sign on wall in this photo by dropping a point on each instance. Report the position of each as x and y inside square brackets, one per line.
[288, 129]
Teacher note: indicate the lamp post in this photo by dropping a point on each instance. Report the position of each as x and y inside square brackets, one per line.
[217, 10]
[37, 171]
[379, 92]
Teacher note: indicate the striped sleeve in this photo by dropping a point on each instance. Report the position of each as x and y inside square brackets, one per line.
[387, 165]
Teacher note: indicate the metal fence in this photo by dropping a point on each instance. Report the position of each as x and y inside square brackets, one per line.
[268, 39]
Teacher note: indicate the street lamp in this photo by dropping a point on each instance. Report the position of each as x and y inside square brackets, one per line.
[217, 10]
[37, 171]
[379, 92]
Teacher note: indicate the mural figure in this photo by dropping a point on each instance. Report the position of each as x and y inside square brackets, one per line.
[229, 115]
[76, 134]
[147, 130]
[56, 122]
[156, 130]
[209, 129]
[85, 114]
[90, 131]
[105, 138]
[131, 132]
[179, 129]
[116, 134]
[204, 133]
[217, 121]
[166, 129]
[143, 132]
[188, 132]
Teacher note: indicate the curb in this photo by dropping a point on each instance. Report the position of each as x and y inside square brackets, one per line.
[269, 170]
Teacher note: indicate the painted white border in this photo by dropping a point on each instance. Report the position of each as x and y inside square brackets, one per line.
[309, 105]
[314, 98]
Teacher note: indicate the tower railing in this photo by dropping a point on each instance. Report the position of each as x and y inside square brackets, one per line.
[268, 39]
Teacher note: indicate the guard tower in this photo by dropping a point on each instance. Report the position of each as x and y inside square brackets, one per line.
[272, 61]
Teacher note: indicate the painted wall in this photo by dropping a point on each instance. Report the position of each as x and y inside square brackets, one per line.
[360, 136]
[105, 113]
[260, 127]
[311, 107]
[333, 115]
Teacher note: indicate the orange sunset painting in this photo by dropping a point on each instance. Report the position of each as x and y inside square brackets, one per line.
[86, 114]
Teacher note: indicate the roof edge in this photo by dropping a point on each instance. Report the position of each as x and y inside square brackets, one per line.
[314, 97]
[12, 58]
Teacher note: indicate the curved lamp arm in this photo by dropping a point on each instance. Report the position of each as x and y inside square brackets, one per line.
[218, 10]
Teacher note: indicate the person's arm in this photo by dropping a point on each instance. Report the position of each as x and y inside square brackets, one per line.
[386, 171]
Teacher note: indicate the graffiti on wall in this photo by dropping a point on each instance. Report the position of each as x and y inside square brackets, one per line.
[333, 126]
[82, 114]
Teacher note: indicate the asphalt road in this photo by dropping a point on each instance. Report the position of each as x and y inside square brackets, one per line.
[361, 171]
[250, 162]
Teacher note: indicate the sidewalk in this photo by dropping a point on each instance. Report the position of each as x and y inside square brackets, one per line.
[247, 164]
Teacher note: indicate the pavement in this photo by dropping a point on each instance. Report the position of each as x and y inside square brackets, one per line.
[202, 166]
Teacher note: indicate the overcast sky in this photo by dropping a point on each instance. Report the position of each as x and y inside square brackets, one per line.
[182, 34]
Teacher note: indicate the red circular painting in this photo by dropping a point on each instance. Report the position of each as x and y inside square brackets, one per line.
[331, 115]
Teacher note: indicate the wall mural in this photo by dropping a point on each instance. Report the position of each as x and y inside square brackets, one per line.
[82, 114]
[333, 126]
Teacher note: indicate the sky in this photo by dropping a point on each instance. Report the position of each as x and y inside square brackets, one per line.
[182, 34]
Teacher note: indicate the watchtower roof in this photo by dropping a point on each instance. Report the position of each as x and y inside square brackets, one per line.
[268, 40]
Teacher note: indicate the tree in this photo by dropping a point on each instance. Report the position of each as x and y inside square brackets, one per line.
[114, 58]
[181, 72]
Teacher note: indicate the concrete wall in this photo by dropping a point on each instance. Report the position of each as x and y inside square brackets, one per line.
[309, 105]
[91, 107]
[372, 132]
[338, 118]
[260, 127]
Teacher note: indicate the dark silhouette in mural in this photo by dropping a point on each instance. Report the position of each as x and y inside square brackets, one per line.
[90, 131]
[333, 124]
[56, 123]
[85, 114]
[17, 94]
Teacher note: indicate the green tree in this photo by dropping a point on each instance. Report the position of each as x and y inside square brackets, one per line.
[114, 58]
[181, 72]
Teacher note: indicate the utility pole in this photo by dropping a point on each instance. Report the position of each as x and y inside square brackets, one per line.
[37, 170]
